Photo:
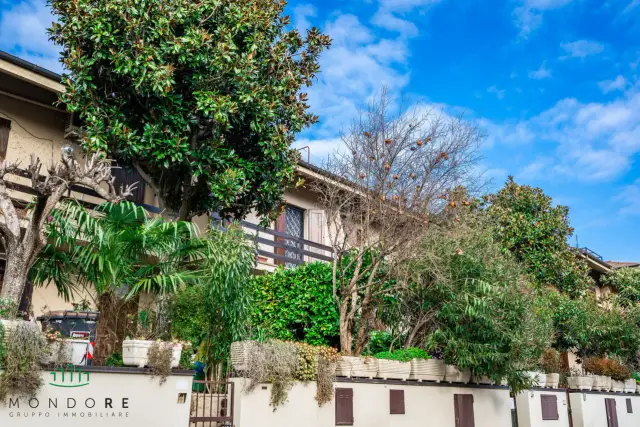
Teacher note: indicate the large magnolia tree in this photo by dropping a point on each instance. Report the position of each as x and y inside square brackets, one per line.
[203, 98]
[394, 173]
[23, 232]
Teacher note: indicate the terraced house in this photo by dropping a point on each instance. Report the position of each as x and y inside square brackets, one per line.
[33, 122]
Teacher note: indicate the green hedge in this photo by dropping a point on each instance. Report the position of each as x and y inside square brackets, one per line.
[296, 304]
[403, 355]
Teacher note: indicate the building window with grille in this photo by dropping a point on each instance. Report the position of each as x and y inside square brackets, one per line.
[291, 223]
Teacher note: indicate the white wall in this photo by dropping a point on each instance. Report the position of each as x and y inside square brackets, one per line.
[529, 409]
[425, 405]
[147, 403]
[588, 409]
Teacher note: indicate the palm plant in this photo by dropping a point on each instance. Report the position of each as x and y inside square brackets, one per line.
[117, 252]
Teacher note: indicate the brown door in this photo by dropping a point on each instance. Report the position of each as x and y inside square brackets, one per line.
[344, 406]
[612, 413]
[463, 405]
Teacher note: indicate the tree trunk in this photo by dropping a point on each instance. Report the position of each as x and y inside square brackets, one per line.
[346, 332]
[15, 279]
[117, 319]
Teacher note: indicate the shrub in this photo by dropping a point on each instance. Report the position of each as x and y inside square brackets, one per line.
[296, 304]
[2, 349]
[550, 361]
[25, 349]
[616, 370]
[114, 359]
[160, 355]
[404, 355]
[595, 366]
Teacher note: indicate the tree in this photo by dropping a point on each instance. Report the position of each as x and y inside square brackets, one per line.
[627, 283]
[23, 242]
[203, 98]
[471, 303]
[392, 176]
[536, 232]
[117, 252]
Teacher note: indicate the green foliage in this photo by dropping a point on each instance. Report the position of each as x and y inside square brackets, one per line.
[2, 346]
[627, 283]
[114, 359]
[528, 225]
[188, 316]
[205, 97]
[379, 341]
[478, 309]
[573, 320]
[25, 349]
[404, 355]
[296, 304]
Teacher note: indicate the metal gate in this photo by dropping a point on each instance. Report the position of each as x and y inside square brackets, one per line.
[212, 404]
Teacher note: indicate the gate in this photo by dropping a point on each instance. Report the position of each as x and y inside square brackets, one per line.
[212, 404]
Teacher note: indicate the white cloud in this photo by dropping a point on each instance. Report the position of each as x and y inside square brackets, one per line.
[528, 15]
[499, 93]
[392, 15]
[23, 32]
[632, 5]
[594, 141]
[581, 49]
[355, 68]
[541, 73]
[619, 83]
[629, 196]
[301, 15]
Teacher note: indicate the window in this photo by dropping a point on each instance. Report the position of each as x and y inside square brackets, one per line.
[344, 406]
[128, 175]
[396, 402]
[5, 128]
[549, 407]
[291, 222]
[629, 407]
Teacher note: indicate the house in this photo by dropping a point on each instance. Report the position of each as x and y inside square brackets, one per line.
[32, 121]
[598, 268]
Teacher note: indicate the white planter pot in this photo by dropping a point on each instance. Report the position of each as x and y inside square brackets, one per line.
[617, 386]
[637, 387]
[607, 383]
[75, 352]
[552, 381]
[537, 379]
[240, 354]
[393, 369]
[344, 366]
[364, 367]
[580, 383]
[630, 386]
[599, 382]
[481, 380]
[136, 353]
[427, 370]
[454, 375]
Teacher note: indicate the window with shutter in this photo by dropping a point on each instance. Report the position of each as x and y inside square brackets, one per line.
[125, 176]
[5, 128]
[463, 407]
[629, 407]
[344, 406]
[396, 402]
[549, 407]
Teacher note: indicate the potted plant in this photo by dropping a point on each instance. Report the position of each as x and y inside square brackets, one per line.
[599, 368]
[538, 379]
[550, 364]
[619, 373]
[578, 381]
[135, 352]
[364, 367]
[397, 364]
[425, 368]
[453, 374]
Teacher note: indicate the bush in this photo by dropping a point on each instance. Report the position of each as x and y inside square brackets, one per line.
[616, 370]
[404, 355]
[297, 304]
[550, 361]
[160, 356]
[114, 359]
[595, 366]
[25, 349]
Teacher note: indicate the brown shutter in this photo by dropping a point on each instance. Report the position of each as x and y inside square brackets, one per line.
[5, 128]
[396, 402]
[344, 406]
[612, 413]
[629, 407]
[463, 405]
[125, 176]
[549, 407]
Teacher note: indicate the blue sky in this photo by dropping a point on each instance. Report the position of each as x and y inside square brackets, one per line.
[554, 85]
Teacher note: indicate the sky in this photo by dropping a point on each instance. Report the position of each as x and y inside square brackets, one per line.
[554, 85]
